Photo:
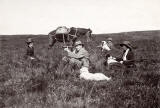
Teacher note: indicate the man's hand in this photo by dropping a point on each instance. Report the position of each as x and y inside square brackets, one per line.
[107, 56]
[66, 49]
[65, 59]
[121, 62]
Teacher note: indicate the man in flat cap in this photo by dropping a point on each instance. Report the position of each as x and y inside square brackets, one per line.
[78, 57]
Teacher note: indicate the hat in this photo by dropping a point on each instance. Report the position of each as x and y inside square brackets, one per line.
[109, 39]
[78, 43]
[29, 40]
[126, 43]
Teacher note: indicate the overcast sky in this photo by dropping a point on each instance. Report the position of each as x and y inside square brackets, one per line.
[102, 16]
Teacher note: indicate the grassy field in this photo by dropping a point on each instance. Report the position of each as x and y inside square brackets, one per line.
[48, 84]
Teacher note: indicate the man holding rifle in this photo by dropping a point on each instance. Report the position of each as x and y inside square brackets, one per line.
[78, 57]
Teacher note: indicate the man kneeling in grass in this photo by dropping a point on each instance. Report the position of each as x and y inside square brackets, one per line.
[78, 57]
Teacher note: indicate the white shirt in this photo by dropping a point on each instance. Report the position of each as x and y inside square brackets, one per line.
[125, 55]
[105, 46]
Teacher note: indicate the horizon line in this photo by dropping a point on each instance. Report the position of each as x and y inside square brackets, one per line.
[93, 33]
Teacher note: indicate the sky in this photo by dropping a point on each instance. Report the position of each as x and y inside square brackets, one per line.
[102, 16]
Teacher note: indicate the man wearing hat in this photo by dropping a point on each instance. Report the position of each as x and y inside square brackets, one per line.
[106, 45]
[110, 52]
[109, 42]
[127, 57]
[30, 49]
[79, 56]
[113, 50]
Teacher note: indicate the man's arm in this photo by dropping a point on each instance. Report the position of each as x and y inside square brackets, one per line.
[82, 53]
[120, 57]
[130, 59]
[77, 56]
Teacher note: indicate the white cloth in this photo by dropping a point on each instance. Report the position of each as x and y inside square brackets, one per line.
[125, 55]
[62, 30]
[85, 74]
[32, 58]
[105, 46]
[111, 60]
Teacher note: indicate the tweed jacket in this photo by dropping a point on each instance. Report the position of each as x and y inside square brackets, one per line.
[81, 55]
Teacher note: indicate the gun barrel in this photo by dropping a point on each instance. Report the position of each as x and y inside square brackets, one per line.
[67, 46]
[147, 60]
[99, 46]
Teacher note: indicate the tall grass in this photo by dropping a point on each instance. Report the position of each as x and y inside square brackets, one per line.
[49, 83]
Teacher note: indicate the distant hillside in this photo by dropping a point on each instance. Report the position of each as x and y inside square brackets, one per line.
[150, 32]
[132, 33]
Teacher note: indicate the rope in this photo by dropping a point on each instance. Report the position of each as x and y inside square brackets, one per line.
[76, 32]
[64, 40]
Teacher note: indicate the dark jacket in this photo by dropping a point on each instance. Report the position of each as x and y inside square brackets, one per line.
[130, 59]
[30, 51]
[114, 52]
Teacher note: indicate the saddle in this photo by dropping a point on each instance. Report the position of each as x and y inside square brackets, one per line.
[62, 30]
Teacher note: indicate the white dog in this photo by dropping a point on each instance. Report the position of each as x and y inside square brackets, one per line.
[85, 74]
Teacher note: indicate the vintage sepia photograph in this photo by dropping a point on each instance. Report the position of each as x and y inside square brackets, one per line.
[79, 54]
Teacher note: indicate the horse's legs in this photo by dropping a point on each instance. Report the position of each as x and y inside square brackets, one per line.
[52, 40]
[88, 35]
[74, 40]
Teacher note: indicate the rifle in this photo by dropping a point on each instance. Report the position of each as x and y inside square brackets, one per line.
[99, 46]
[152, 61]
[67, 46]
[147, 60]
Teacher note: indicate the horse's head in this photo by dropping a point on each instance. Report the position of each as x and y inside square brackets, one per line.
[72, 28]
[90, 30]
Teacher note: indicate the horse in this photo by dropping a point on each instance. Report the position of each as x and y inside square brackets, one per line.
[64, 34]
[81, 32]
